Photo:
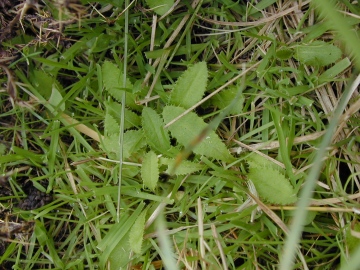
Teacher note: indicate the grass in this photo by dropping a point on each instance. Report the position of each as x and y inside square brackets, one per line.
[260, 171]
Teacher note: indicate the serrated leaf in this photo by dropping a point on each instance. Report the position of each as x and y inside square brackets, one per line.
[189, 128]
[257, 161]
[156, 136]
[111, 126]
[185, 167]
[190, 87]
[110, 245]
[317, 53]
[113, 78]
[284, 53]
[133, 142]
[113, 81]
[150, 170]
[224, 99]
[113, 109]
[272, 185]
[136, 236]
[160, 6]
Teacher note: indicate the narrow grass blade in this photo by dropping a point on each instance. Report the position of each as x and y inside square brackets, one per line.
[297, 225]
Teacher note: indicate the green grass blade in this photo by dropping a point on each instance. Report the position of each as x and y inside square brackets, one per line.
[293, 238]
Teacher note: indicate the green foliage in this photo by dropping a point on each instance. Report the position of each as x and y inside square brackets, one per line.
[70, 86]
[44, 82]
[185, 167]
[156, 136]
[2, 149]
[190, 87]
[160, 6]
[46, 241]
[256, 160]
[115, 248]
[112, 78]
[133, 142]
[190, 127]
[284, 53]
[269, 181]
[317, 53]
[352, 236]
[120, 257]
[150, 170]
[137, 233]
[56, 98]
[224, 99]
[272, 186]
[112, 118]
[111, 125]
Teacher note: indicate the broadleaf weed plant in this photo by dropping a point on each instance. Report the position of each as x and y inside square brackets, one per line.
[179, 134]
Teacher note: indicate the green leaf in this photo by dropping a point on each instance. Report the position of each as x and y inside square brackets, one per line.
[56, 98]
[113, 81]
[133, 142]
[257, 161]
[156, 136]
[189, 127]
[120, 257]
[296, 90]
[317, 53]
[112, 246]
[335, 70]
[269, 181]
[150, 170]
[2, 149]
[185, 167]
[136, 236]
[190, 87]
[111, 126]
[284, 53]
[272, 186]
[112, 118]
[224, 99]
[47, 241]
[352, 241]
[160, 6]
[43, 82]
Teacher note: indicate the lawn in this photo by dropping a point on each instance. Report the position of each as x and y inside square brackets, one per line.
[166, 134]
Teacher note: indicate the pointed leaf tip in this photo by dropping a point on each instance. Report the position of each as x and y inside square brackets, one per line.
[190, 87]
